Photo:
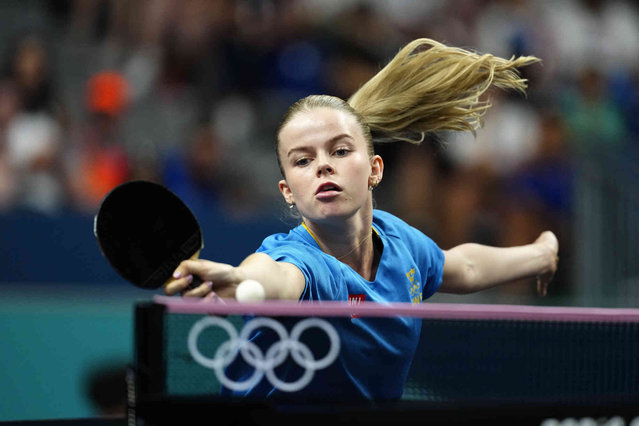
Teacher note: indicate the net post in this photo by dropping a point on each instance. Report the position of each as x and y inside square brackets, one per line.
[148, 377]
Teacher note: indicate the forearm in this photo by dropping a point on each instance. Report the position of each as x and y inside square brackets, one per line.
[475, 267]
[280, 280]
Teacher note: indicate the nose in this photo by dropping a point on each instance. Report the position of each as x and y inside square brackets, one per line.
[324, 167]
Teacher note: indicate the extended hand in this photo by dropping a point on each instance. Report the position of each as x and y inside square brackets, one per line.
[219, 279]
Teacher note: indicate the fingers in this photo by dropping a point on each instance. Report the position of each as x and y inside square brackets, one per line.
[220, 275]
[182, 286]
[542, 286]
[175, 286]
[183, 276]
[200, 291]
[192, 267]
[212, 296]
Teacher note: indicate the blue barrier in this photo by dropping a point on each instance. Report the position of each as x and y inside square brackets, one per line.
[36, 248]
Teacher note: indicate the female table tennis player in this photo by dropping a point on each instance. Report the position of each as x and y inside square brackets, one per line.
[344, 248]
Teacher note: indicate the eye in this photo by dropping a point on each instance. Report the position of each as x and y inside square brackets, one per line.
[340, 152]
[302, 162]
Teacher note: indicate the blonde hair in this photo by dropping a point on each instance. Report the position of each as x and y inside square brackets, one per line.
[427, 87]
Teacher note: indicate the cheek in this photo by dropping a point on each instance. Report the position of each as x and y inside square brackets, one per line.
[297, 181]
[360, 170]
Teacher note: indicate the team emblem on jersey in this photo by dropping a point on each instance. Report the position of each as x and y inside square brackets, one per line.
[415, 288]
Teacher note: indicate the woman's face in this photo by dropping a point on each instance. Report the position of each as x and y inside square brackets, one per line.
[326, 165]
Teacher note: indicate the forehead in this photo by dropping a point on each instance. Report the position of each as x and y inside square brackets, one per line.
[318, 125]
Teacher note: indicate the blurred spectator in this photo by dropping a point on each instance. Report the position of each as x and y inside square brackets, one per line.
[547, 176]
[9, 108]
[412, 179]
[594, 120]
[625, 93]
[33, 135]
[34, 155]
[538, 196]
[367, 27]
[348, 68]
[467, 206]
[29, 66]
[470, 191]
[98, 161]
[506, 28]
[508, 138]
[518, 27]
[593, 33]
[107, 94]
[195, 172]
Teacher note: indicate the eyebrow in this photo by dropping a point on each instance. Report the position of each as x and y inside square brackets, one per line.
[330, 141]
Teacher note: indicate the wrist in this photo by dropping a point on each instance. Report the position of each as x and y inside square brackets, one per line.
[548, 259]
[238, 274]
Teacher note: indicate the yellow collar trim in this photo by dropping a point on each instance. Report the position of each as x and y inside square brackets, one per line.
[315, 238]
[311, 234]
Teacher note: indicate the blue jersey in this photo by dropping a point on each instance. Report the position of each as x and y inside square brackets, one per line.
[376, 353]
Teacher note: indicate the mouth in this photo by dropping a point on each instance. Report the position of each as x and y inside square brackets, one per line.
[327, 190]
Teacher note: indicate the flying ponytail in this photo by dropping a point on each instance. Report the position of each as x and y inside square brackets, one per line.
[430, 87]
[427, 87]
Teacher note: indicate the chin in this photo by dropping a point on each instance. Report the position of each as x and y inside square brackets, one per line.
[337, 213]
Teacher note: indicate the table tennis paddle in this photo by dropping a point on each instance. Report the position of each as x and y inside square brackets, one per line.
[145, 231]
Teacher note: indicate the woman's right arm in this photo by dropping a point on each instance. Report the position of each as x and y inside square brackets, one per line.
[281, 280]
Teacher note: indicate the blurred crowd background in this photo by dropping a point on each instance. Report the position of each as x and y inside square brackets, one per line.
[190, 93]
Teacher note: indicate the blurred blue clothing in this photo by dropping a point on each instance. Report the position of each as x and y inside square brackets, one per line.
[548, 182]
[203, 198]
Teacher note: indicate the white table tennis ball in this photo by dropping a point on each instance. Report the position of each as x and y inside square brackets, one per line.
[250, 291]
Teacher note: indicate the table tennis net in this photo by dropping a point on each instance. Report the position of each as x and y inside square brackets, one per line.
[466, 353]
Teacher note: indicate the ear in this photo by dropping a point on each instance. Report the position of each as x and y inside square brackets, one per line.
[286, 192]
[377, 170]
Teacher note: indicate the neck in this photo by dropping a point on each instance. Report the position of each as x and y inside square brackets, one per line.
[351, 244]
[368, 237]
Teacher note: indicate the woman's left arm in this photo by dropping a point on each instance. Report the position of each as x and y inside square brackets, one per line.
[469, 268]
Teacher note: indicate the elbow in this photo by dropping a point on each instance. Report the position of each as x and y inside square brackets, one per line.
[465, 280]
[462, 272]
[468, 281]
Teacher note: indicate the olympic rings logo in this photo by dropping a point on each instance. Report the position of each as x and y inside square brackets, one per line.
[264, 363]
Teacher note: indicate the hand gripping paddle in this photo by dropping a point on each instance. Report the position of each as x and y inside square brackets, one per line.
[145, 231]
